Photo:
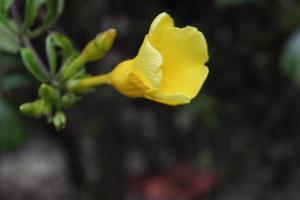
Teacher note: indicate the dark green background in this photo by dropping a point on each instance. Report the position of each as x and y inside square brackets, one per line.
[243, 127]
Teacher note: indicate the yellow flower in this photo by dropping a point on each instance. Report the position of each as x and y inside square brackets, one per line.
[169, 68]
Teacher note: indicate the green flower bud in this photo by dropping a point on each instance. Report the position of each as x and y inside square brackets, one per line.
[94, 50]
[49, 93]
[68, 100]
[98, 47]
[38, 108]
[59, 120]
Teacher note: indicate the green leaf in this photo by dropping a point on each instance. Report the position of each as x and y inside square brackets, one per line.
[64, 43]
[69, 53]
[7, 26]
[31, 64]
[7, 45]
[31, 11]
[11, 130]
[9, 42]
[54, 10]
[7, 4]
[290, 58]
[3, 13]
[51, 54]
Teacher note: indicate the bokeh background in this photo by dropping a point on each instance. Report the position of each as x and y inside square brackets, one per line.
[238, 140]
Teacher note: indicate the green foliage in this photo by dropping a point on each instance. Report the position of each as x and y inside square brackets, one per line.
[9, 41]
[7, 44]
[11, 130]
[51, 54]
[31, 63]
[290, 59]
[31, 11]
[64, 43]
[15, 36]
[54, 9]
[8, 29]
[3, 10]
[7, 4]
[53, 96]
[65, 48]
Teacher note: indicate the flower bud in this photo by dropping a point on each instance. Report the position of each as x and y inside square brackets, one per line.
[59, 120]
[49, 93]
[68, 100]
[38, 108]
[98, 47]
[94, 50]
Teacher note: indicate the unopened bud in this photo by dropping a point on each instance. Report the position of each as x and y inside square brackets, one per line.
[59, 120]
[38, 108]
[68, 100]
[94, 50]
[49, 93]
[98, 47]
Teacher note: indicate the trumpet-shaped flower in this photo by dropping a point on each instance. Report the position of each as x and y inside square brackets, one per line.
[169, 67]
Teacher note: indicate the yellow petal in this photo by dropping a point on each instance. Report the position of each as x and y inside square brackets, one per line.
[122, 80]
[170, 65]
[172, 100]
[184, 52]
[162, 21]
[142, 74]
[147, 65]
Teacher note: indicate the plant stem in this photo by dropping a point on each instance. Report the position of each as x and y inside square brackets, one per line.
[41, 29]
[26, 41]
[92, 82]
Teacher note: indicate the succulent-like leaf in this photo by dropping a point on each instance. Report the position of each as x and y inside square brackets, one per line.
[69, 53]
[54, 9]
[31, 11]
[31, 64]
[51, 54]
[9, 41]
[7, 4]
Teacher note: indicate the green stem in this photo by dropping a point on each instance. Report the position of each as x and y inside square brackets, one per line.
[41, 29]
[91, 82]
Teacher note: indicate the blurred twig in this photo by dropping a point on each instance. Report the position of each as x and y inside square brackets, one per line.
[26, 41]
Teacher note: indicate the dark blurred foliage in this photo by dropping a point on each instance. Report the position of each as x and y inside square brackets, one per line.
[239, 139]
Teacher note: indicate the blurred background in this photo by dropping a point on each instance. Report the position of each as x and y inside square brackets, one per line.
[238, 140]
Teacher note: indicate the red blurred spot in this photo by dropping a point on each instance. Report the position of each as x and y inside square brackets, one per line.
[180, 182]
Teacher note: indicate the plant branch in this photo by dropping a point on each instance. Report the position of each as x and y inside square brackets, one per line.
[26, 41]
